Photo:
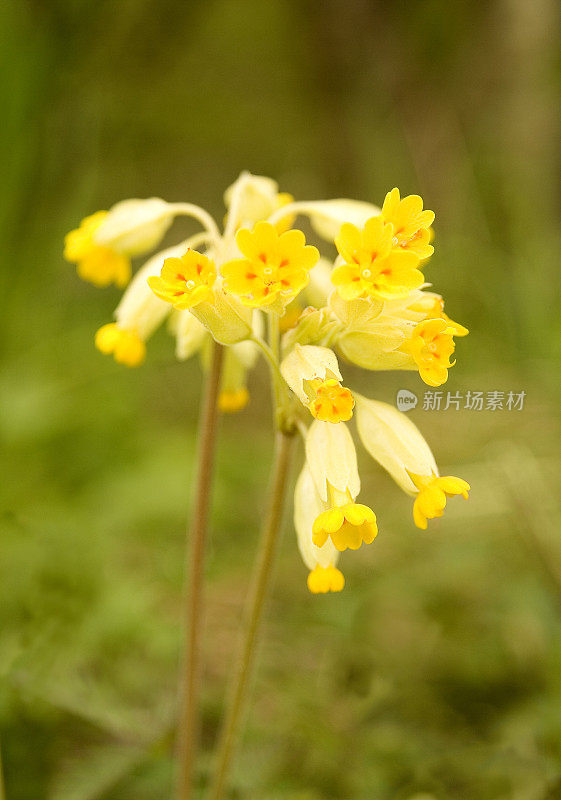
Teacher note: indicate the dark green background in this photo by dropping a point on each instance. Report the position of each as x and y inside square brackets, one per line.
[435, 674]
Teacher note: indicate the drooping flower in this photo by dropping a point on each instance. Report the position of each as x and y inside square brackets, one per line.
[105, 242]
[395, 442]
[321, 561]
[95, 263]
[313, 375]
[373, 266]
[137, 316]
[331, 458]
[275, 267]
[411, 224]
[124, 345]
[433, 494]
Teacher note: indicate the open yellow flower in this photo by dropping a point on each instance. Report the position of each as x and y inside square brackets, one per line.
[333, 402]
[431, 345]
[411, 224]
[372, 265]
[433, 494]
[313, 375]
[98, 264]
[126, 346]
[348, 525]
[185, 281]
[276, 266]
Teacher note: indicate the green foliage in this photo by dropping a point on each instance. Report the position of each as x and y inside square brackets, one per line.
[434, 676]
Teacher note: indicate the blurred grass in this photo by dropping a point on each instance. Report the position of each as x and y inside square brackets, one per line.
[435, 674]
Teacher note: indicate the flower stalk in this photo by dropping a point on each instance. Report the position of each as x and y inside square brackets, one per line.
[190, 678]
[238, 693]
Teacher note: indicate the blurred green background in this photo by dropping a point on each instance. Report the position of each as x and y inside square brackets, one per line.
[435, 674]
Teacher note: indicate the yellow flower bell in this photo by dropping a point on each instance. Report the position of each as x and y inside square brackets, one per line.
[98, 264]
[433, 494]
[325, 579]
[347, 525]
[313, 375]
[126, 346]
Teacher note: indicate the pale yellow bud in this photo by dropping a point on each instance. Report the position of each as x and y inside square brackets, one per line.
[133, 227]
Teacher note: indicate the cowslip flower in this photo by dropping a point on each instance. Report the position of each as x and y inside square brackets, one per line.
[275, 267]
[433, 493]
[313, 375]
[431, 346]
[411, 333]
[96, 263]
[411, 224]
[371, 307]
[395, 442]
[185, 281]
[372, 265]
[137, 316]
[321, 561]
[331, 458]
[104, 244]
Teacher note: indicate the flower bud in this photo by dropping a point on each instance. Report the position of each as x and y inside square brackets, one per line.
[133, 227]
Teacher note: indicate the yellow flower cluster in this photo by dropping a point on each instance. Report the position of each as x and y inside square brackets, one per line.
[371, 306]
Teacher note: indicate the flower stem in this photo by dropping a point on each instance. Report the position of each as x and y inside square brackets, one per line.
[188, 725]
[252, 621]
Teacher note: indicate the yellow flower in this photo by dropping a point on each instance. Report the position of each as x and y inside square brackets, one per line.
[331, 458]
[95, 263]
[431, 345]
[332, 403]
[347, 525]
[438, 311]
[126, 345]
[325, 579]
[313, 375]
[276, 266]
[373, 266]
[321, 561]
[185, 281]
[229, 402]
[411, 225]
[433, 493]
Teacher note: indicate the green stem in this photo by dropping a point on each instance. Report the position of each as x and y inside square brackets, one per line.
[188, 725]
[276, 374]
[237, 697]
